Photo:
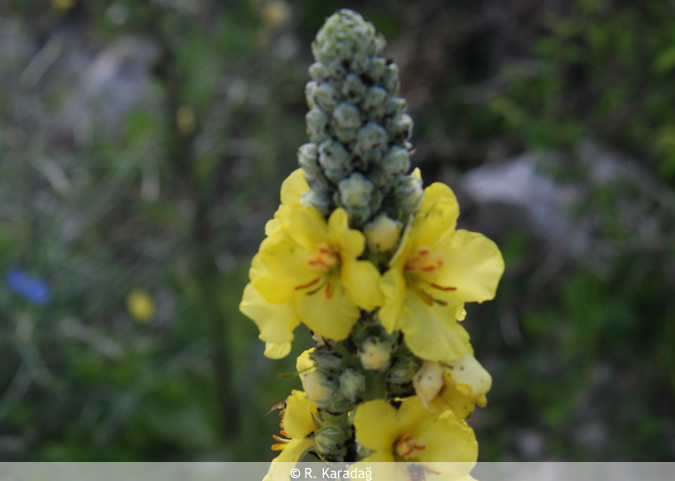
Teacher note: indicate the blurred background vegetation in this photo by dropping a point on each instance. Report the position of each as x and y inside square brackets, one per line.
[142, 146]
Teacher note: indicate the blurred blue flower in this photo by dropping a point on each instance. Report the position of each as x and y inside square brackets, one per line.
[33, 289]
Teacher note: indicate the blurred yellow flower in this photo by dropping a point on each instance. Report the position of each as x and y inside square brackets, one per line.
[140, 305]
[276, 13]
[63, 4]
[313, 264]
[413, 434]
[435, 270]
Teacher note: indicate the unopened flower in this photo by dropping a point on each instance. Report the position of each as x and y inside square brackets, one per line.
[318, 387]
[435, 270]
[458, 386]
[375, 354]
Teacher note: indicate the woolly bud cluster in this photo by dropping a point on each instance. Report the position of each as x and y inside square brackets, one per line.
[359, 133]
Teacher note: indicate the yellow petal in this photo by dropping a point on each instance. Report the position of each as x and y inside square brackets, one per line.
[436, 217]
[304, 225]
[292, 453]
[331, 317]
[449, 440]
[275, 321]
[376, 426]
[412, 416]
[257, 267]
[431, 333]
[428, 382]
[468, 372]
[293, 187]
[298, 421]
[393, 288]
[272, 226]
[350, 242]
[361, 280]
[277, 350]
[272, 289]
[459, 403]
[472, 264]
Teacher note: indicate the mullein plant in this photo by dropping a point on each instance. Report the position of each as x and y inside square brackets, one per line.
[374, 266]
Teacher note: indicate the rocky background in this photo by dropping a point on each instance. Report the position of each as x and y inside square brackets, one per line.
[142, 145]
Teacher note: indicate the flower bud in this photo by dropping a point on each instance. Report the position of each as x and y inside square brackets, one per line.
[391, 78]
[375, 354]
[317, 386]
[403, 369]
[382, 234]
[394, 106]
[400, 129]
[326, 96]
[352, 384]
[409, 192]
[317, 125]
[330, 440]
[307, 157]
[397, 161]
[333, 156]
[353, 89]
[374, 99]
[355, 191]
[428, 382]
[347, 116]
[317, 72]
[376, 69]
[370, 138]
[310, 89]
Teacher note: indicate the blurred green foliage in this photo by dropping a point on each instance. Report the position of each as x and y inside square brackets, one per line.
[173, 202]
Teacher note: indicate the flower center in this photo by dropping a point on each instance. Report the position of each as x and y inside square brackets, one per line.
[326, 260]
[407, 447]
[325, 257]
[419, 271]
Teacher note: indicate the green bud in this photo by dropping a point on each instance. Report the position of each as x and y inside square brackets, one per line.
[326, 96]
[352, 384]
[355, 191]
[409, 193]
[371, 140]
[400, 129]
[391, 79]
[310, 90]
[317, 72]
[330, 440]
[397, 161]
[317, 125]
[382, 234]
[307, 157]
[353, 89]
[374, 100]
[403, 369]
[333, 156]
[394, 106]
[375, 354]
[347, 116]
[377, 68]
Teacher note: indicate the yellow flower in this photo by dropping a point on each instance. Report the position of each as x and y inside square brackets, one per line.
[276, 322]
[140, 305]
[313, 264]
[297, 427]
[458, 386]
[413, 434]
[435, 270]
